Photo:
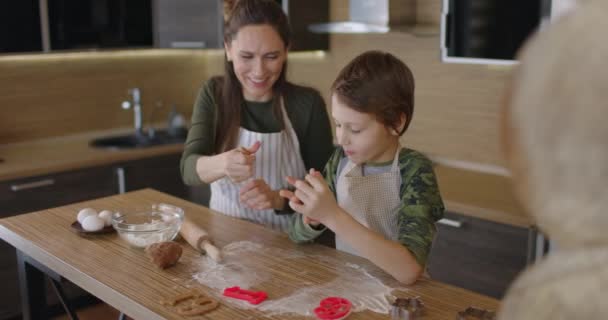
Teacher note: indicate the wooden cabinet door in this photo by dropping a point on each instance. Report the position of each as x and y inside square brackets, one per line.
[478, 255]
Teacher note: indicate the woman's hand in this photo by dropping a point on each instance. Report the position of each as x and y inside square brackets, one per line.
[312, 198]
[256, 194]
[239, 163]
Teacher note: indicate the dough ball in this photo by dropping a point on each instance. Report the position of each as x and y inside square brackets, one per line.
[164, 254]
[82, 214]
[92, 223]
[106, 216]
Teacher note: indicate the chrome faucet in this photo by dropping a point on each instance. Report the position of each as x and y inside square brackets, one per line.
[135, 103]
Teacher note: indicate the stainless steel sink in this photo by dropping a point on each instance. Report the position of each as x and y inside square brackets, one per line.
[139, 140]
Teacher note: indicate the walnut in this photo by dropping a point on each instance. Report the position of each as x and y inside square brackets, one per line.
[164, 254]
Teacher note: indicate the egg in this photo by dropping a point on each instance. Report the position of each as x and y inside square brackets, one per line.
[92, 223]
[82, 214]
[106, 216]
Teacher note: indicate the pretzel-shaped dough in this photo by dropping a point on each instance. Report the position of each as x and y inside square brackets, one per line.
[181, 297]
[201, 303]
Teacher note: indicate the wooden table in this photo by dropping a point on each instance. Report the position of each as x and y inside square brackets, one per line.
[123, 277]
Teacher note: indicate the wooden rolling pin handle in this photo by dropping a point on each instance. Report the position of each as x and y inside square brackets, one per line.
[212, 251]
[199, 239]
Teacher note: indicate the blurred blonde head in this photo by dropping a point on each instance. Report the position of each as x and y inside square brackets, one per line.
[558, 130]
[557, 147]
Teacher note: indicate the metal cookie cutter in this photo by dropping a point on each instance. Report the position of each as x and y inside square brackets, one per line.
[476, 313]
[407, 309]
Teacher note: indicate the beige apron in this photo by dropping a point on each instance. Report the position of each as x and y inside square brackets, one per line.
[372, 200]
[278, 156]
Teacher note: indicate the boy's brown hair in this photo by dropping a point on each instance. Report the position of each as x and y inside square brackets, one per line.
[378, 83]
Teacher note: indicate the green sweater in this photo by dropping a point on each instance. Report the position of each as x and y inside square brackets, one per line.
[421, 203]
[304, 106]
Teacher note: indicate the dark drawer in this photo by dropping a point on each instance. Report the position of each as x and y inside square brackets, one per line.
[42, 192]
[478, 255]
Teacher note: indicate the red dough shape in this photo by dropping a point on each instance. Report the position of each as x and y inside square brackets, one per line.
[333, 308]
[253, 297]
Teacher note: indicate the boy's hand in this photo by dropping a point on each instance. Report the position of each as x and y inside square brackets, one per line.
[312, 197]
[290, 196]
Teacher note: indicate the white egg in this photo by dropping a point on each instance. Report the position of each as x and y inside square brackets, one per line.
[82, 214]
[92, 223]
[106, 216]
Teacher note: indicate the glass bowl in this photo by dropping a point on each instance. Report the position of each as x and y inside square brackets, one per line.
[161, 223]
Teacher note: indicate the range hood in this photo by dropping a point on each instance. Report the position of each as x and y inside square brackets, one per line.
[371, 16]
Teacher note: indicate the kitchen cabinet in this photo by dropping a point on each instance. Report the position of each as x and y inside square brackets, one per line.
[36, 26]
[160, 173]
[163, 174]
[199, 23]
[41, 192]
[93, 24]
[20, 26]
[75, 25]
[188, 23]
[478, 255]
[301, 15]
[37, 193]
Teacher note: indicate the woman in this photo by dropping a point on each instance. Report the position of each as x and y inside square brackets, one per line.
[251, 128]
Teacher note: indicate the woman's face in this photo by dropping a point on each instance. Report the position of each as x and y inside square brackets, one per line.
[258, 54]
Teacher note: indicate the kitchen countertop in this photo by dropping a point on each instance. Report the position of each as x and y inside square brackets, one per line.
[476, 194]
[53, 155]
[123, 276]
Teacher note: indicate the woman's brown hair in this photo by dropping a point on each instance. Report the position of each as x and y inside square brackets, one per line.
[378, 83]
[229, 93]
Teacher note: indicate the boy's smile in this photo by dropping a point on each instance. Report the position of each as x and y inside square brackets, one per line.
[363, 138]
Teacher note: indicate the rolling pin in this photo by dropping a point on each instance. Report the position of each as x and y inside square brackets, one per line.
[199, 239]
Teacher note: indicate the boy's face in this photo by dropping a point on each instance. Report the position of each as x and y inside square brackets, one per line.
[363, 138]
[258, 54]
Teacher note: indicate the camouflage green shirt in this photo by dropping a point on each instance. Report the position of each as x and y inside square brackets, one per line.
[421, 203]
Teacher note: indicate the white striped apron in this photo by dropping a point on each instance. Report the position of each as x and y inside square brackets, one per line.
[372, 200]
[278, 156]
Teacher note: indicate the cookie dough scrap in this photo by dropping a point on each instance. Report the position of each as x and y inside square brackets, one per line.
[191, 303]
[198, 307]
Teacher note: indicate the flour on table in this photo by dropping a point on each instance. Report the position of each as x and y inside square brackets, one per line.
[252, 265]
